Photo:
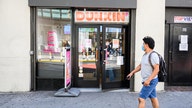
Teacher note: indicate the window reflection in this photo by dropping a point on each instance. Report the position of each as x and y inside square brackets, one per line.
[113, 51]
[53, 34]
[87, 53]
[54, 13]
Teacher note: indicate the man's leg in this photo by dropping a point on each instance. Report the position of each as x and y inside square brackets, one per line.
[141, 103]
[155, 102]
[143, 95]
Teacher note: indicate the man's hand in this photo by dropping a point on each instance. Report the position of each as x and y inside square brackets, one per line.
[129, 76]
[146, 83]
[137, 69]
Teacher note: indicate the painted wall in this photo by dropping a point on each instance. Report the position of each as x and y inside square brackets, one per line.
[14, 46]
[150, 19]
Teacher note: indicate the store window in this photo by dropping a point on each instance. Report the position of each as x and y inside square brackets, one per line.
[53, 34]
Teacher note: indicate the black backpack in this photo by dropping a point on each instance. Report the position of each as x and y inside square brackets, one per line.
[162, 75]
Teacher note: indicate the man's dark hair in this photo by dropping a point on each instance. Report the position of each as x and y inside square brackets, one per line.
[149, 40]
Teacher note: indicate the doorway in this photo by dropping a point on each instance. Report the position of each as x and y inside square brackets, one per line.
[100, 56]
[180, 55]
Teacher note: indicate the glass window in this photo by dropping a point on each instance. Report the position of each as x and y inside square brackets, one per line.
[53, 34]
[46, 13]
[56, 13]
[87, 53]
[65, 14]
[39, 12]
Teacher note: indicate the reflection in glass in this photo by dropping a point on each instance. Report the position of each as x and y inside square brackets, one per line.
[55, 13]
[46, 13]
[87, 50]
[53, 35]
[63, 14]
[113, 54]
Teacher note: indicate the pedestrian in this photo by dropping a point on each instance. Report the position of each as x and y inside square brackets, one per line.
[109, 48]
[148, 74]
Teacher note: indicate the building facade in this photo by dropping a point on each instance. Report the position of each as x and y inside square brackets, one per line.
[104, 38]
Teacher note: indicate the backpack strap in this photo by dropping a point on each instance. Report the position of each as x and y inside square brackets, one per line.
[150, 58]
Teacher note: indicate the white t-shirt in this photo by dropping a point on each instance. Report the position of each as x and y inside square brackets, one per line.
[146, 69]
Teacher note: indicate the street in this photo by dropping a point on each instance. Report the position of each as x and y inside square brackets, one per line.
[106, 99]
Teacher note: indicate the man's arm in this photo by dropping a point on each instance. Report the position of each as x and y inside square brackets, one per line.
[137, 69]
[152, 76]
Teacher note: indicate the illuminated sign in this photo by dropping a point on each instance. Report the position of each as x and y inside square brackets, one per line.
[182, 19]
[101, 17]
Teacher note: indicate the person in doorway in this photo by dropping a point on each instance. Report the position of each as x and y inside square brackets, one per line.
[109, 49]
[148, 74]
[109, 64]
[65, 43]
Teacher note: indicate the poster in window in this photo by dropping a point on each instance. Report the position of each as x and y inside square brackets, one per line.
[115, 43]
[67, 29]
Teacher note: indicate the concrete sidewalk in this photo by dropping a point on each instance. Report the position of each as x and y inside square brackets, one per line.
[107, 99]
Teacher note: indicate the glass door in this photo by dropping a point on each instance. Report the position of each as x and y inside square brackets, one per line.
[113, 59]
[100, 56]
[88, 56]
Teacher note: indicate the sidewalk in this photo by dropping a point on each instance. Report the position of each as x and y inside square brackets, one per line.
[107, 99]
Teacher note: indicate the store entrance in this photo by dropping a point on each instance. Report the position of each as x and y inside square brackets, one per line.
[180, 55]
[100, 56]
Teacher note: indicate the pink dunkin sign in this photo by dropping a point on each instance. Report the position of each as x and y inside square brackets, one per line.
[52, 41]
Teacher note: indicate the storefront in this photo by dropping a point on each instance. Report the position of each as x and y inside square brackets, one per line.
[99, 39]
[34, 58]
[178, 39]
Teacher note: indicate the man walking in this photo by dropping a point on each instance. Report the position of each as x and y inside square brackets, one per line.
[148, 74]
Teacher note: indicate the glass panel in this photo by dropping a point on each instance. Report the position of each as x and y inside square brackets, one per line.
[52, 36]
[87, 53]
[46, 13]
[65, 14]
[39, 12]
[113, 54]
[56, 13]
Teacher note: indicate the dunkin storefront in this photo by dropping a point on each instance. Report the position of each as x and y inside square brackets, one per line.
[88, 43]
[98, 38]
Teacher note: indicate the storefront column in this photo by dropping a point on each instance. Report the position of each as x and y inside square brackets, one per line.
[150, 19]
[15, 46]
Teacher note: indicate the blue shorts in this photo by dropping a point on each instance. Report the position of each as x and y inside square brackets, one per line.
[149, 91]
